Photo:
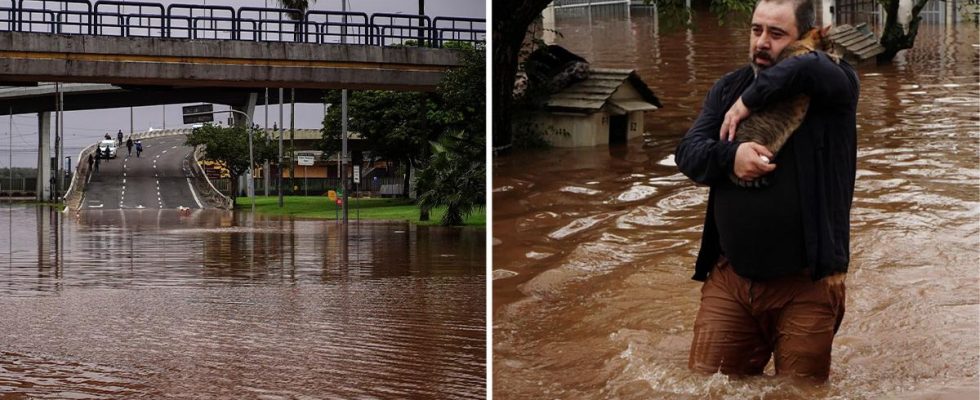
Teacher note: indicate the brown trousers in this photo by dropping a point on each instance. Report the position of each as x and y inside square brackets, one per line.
[741, 324]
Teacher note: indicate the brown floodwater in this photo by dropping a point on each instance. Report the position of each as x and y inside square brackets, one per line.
[593, 248]
[214, 304]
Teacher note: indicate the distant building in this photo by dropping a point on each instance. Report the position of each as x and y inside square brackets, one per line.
[607, 107]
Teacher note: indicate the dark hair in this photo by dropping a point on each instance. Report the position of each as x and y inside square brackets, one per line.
[806, 16]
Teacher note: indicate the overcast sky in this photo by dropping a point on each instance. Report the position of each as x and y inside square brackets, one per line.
[84, 127]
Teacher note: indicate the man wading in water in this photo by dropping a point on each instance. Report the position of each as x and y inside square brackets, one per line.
[773, 259]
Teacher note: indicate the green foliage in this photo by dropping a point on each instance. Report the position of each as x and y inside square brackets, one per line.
[384, 209]
[456, 172]
[461, 104]
[454, 178]
[404, 125]
[393, 124]
[229, 146]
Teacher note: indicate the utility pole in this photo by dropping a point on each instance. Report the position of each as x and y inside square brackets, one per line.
[57, 142]
[61, 142]
[292, 137]
[265, 126]
[343, 132]
[279, 174]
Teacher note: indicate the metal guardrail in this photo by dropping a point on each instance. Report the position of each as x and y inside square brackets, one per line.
[216, 22]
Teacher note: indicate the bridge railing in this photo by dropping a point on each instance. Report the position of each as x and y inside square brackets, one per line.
[215, 22]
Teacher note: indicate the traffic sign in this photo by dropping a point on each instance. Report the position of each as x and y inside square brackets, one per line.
[203, 111]
[357, 174]
[305, 160]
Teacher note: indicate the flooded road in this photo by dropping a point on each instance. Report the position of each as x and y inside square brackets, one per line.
[594, 248]
[154, 304]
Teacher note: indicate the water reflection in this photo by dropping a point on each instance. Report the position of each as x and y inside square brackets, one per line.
[593, 254]
[158, 303]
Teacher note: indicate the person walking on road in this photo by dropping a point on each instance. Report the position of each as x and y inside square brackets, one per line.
[119, 136]
[98, 156]
[129, 146]
[139, 148]
[105, 154]
[90, 162]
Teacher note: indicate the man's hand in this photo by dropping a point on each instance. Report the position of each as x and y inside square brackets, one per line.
[749, 164]
[736, 114]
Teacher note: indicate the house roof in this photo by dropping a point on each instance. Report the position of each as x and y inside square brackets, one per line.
[592, 94]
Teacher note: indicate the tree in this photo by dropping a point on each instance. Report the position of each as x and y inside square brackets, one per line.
[511, 19]
[895, 37]
[456, 172]
[299, 5]
[228, 146]
[448, 126]
[393, 124]
[454, 178]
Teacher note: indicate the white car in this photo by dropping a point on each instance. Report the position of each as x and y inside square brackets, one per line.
[111, 145]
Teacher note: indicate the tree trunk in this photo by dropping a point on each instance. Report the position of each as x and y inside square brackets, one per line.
[510, 23]
[894, 37]
[453, 217]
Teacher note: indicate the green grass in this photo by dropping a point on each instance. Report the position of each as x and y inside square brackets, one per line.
[320, 207]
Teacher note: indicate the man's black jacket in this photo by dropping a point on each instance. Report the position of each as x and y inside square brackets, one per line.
[825, 146]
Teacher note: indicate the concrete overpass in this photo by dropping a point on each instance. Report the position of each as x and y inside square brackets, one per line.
[38, 57]
[93, 96]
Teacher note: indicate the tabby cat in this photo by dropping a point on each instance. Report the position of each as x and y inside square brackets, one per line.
[772, 126]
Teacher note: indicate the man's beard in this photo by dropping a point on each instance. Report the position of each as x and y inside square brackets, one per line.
[763, 55]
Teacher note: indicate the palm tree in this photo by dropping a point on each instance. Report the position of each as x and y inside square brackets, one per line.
[300, 5]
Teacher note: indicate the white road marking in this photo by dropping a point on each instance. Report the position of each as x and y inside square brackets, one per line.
[193, 193]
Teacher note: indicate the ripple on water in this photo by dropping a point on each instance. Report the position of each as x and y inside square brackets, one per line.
[643, 216]
[579, 190]
[586, 261]
[636, 193]
[684, 199]
[579, 225]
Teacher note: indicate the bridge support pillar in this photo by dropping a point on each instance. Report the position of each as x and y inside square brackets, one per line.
[43, 188]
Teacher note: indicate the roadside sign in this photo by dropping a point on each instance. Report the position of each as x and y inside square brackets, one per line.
[357, 174]
[200, 109]
[305, 160]
[332, 195]
[340, 202]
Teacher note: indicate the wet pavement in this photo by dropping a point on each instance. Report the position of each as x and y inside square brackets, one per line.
[593, 253]
[159, 304]
[160, 177]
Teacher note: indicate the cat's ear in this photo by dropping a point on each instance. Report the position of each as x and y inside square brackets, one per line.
[825, 31]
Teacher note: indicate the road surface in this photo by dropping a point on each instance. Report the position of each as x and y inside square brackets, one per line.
[158, 178]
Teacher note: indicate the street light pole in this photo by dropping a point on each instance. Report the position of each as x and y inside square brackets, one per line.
[279, 174]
